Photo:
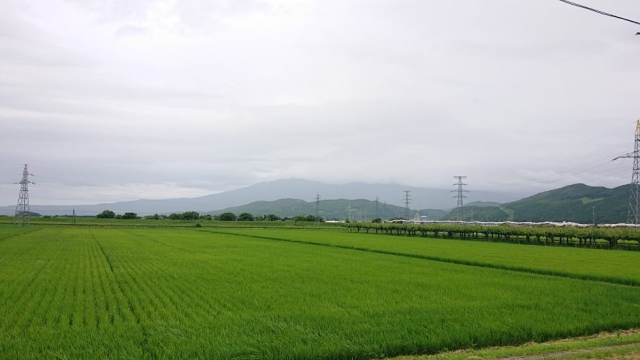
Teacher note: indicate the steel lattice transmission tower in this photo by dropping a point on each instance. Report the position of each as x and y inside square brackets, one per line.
[634, 213]
[407, 201]
[22, 209]
[460, 196]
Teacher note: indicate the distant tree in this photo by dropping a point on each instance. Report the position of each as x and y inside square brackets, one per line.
[272, 217]
[300, 220]
[175, 216]
[228, 216]
[245, 217]
[155, 217]
[191, 215]
[129, 215]
[107, 214]
[376, 220]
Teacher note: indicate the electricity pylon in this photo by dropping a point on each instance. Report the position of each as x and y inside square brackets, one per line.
[22, 209]
[633, 213]
[460, 196]
[407, 201]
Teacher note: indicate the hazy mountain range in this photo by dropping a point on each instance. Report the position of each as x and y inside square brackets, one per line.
[421, 198]
[286, 198]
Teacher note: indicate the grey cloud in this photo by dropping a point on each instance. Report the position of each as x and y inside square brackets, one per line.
[411, 92]
[132, 31]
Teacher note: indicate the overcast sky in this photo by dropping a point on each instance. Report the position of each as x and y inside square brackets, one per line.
[124, 99]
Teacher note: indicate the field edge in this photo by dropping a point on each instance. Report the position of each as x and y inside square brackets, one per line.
[624, 344]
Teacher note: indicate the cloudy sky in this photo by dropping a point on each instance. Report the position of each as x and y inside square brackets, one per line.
[111, 100]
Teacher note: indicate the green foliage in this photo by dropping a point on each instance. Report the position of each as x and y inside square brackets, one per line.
[376, 221]
[610, 266]
[597, 237]
[245, 217]
[328, 209]
[106, 214]
[191, 293]
[227, 216]
[478, 213]
[575, 203]
[129, 215]
[301, 219]
[272, 217]
[188, 215]
[432, 214]
[191, 215]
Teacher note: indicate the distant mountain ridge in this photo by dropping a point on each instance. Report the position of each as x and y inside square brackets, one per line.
[339, 209]
[421, 198]
[575, 203]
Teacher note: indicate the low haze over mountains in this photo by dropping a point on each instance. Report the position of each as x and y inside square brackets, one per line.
[287, 198]
[280, 189]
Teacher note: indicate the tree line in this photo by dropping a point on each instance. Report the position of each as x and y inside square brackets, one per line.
[194, 215]
[597, 237]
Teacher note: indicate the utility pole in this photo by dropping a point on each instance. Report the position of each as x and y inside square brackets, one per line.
[74, 216]
[385, 210]
[317, 209]
[22, 215]
[351, 213]
[460, 196]
[633, 213]
[407, 201]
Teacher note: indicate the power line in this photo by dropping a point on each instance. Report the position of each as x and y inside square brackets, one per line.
[600, 12]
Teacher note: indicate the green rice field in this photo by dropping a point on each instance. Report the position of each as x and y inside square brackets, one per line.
[617, 266]
[169, 293]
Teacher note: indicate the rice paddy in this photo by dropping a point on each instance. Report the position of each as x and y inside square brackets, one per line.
[94, 292]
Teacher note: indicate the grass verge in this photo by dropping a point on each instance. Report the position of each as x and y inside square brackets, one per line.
[606, 345]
